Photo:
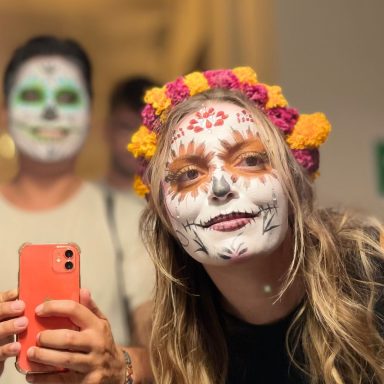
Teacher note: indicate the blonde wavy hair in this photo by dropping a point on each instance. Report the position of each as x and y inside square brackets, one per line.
[336, 254]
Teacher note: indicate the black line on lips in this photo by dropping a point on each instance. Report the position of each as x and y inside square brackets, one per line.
[252, 215]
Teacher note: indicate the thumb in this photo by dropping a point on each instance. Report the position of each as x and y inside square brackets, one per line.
[87, 301]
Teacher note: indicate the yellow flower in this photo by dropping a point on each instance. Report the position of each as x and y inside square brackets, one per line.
[275, 97]
[245, 75]
[310, 131]
[196, 82]
[158, 99]
[143, 143]
[139, 187]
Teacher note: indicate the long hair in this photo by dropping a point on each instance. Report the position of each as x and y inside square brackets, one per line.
[336, 255]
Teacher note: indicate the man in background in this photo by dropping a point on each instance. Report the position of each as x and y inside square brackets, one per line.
[48, 92]
[125, 105]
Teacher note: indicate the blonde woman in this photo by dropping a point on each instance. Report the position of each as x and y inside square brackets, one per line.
[254, 283]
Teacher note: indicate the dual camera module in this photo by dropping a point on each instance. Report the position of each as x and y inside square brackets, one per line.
[68, 264]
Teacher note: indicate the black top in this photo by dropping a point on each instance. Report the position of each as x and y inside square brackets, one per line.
[257, 353]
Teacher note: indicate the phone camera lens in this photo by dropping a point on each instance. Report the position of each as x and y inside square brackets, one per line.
[68, 265]
[68, 253]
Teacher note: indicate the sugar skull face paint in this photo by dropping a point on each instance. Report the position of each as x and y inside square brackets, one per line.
[223, 198]
[49, 109]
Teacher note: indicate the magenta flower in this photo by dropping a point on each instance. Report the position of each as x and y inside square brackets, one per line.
[221, 78]
[257, 93]
[149, 116]
[308, 158]
[284, 118]
[177, 91]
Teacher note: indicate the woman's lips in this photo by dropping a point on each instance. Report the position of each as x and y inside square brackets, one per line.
[230, 225]
[230, 222]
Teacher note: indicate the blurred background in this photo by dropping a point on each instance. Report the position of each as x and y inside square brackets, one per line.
[328, 56]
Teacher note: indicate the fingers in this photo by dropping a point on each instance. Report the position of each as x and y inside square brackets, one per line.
[78, 362]
[65, 339]
[9, 350]
[11, 309]
[8, 295]
[76, 312]
[86, 300]
[13, 326]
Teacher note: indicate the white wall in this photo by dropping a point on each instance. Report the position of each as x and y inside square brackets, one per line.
[331, 59]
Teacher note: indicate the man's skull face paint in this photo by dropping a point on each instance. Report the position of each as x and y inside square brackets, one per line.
[223, 198]
[49, 109]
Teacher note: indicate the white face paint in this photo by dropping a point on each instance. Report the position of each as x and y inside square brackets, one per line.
[49, 109]
[223, 198]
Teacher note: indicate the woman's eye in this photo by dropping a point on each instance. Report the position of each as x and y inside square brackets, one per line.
[251, 160]
[188, 175]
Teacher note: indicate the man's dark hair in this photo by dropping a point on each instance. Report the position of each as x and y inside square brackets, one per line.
[48, 46]
[129, 92]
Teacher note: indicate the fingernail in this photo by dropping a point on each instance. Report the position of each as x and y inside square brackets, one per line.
[21, 322]
[30, 352]
[17, 305]
[30, 378]
[39, 308]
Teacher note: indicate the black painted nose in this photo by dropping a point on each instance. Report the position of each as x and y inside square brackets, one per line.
[50, 113]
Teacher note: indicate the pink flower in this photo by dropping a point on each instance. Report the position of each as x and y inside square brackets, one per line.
[177, 91]
[149, 116]
[284, 118]
[257, 93]
[308, 158]
[221, 78]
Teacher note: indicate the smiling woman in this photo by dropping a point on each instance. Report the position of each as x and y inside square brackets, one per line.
[254, 283]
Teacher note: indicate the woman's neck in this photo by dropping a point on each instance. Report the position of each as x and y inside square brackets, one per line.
[250, 288]
[42, 186]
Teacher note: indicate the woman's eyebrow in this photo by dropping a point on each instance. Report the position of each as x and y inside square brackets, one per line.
[229, 149]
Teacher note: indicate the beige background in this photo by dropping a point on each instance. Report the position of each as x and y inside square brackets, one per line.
[327, 55]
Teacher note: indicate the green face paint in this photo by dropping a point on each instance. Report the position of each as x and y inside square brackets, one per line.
[49, 108]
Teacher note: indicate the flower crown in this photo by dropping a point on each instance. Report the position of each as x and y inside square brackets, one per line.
[303, 133]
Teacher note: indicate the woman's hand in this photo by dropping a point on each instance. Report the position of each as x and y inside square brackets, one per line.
[11, 322]
[90, 354]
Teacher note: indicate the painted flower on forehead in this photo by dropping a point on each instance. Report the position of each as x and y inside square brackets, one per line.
[143, 143]
[284, 118]
[196, 82]
[310, 131]
[224, 78]
[177, 91]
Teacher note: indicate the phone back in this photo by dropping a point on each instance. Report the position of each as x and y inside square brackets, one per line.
[46, 272]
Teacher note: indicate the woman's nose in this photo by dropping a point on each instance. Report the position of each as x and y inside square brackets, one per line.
[221, 189]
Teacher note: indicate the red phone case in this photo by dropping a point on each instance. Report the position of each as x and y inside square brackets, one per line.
[44, 274]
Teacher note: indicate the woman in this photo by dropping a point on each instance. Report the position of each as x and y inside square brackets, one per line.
[254, 283]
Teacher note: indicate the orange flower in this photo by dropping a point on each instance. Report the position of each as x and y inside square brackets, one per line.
[139, 187]
[245, 75]
[143, 143]
[310, 131]
[196, 82]
[275, 97]
[158, 99]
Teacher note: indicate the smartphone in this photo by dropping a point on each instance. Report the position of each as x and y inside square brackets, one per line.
[46, 272]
